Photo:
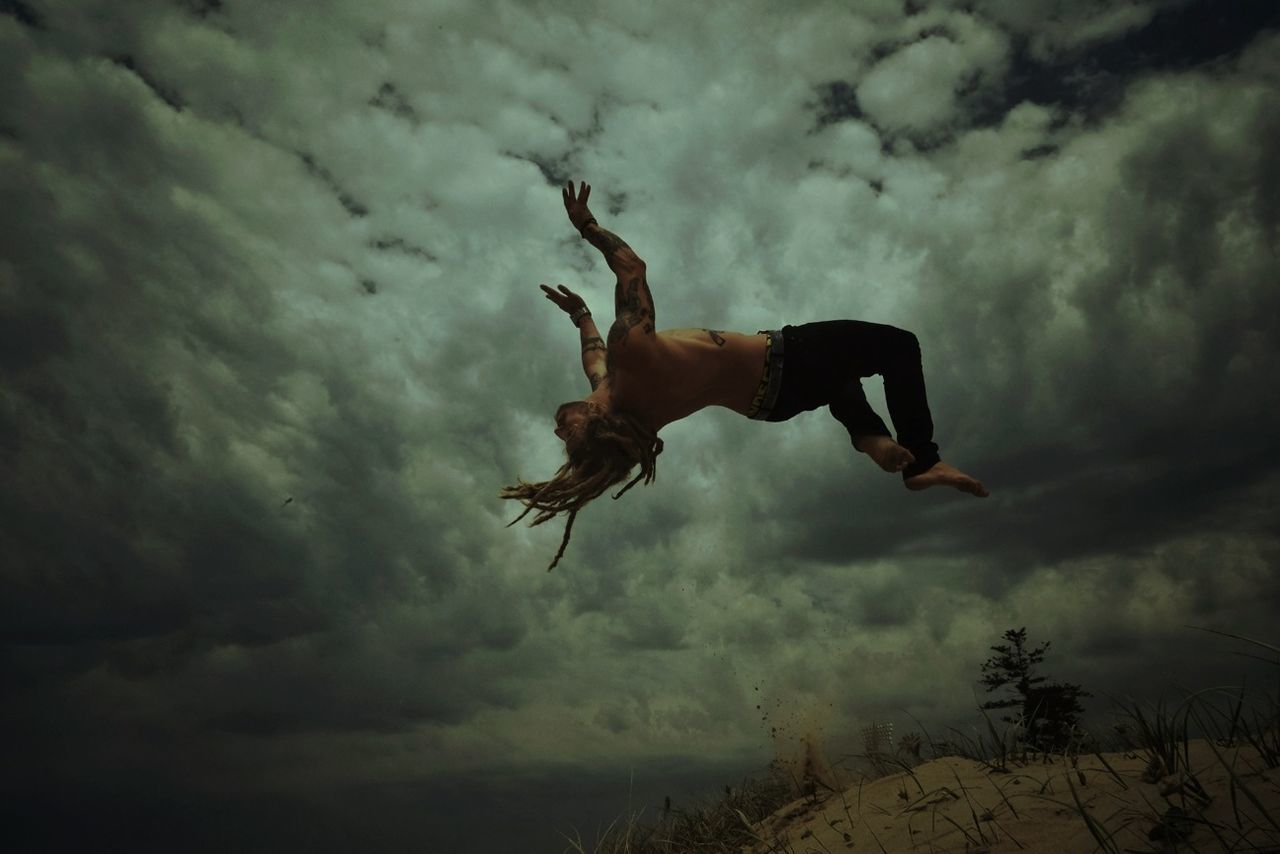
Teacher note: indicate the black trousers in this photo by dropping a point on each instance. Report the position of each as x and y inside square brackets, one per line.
[824, 364]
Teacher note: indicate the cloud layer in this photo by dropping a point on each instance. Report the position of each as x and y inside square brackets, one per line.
[271, 342]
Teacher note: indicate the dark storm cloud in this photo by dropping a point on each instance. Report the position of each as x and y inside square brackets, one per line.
[399, 244]
[349, 204]
[1090, 80]
[837, 100]
[1161, 235]
[556, 171]
[392, 99]
[203, 8]
[270, 344]
[21, 12]
[137, 531]
[162, 92]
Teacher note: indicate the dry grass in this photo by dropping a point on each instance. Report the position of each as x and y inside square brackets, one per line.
[718, 826]
[1225, 804]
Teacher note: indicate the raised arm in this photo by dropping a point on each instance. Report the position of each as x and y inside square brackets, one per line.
[633, 308]
[617, 254]
[633, 303]
[594, 353]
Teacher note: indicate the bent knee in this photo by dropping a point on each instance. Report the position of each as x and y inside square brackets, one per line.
[906, 338]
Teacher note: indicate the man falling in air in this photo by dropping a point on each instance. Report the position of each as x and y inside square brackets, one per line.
[643, 379]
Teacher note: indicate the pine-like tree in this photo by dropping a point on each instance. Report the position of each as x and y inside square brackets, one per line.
[1048, 711]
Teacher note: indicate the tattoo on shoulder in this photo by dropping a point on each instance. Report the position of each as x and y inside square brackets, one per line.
[716, 336]
[622, 327]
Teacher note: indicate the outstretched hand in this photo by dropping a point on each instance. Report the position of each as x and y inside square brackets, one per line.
[576, 207]
[568, 301]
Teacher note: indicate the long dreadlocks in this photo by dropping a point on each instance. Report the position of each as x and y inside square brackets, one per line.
[612, 444]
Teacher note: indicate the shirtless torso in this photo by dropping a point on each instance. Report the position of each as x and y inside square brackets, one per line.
[687, 370]
[663, 376]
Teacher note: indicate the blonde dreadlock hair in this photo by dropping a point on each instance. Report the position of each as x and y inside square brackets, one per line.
[612, 444]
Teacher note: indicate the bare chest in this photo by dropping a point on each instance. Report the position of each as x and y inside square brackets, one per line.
[688, 370]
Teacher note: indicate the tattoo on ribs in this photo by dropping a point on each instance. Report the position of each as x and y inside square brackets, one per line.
[716, 336]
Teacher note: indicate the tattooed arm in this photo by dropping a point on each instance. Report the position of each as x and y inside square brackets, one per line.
[633, 304]
[621, 259]
[616, 252]
[594, 353]
[632, 301]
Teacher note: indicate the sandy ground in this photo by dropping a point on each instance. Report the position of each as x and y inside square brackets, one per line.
[956, 804]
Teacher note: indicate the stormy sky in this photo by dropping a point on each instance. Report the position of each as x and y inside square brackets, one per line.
[271, 342]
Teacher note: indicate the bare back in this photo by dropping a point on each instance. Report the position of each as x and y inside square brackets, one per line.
[687, 370]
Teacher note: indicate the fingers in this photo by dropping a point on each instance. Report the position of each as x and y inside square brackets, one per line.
[586, 191]
[562, 300]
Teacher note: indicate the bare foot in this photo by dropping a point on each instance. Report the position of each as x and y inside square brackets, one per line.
[888, 454]
[941, 473]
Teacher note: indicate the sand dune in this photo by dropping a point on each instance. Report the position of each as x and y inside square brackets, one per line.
[958, 804]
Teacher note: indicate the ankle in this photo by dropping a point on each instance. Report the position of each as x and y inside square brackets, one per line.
[868, 440]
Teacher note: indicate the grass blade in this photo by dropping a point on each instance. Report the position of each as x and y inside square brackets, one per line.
[1098, 831]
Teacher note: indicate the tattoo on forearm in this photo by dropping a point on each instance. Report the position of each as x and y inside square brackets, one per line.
[716, 336]
[595, 342]
[606, 241]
